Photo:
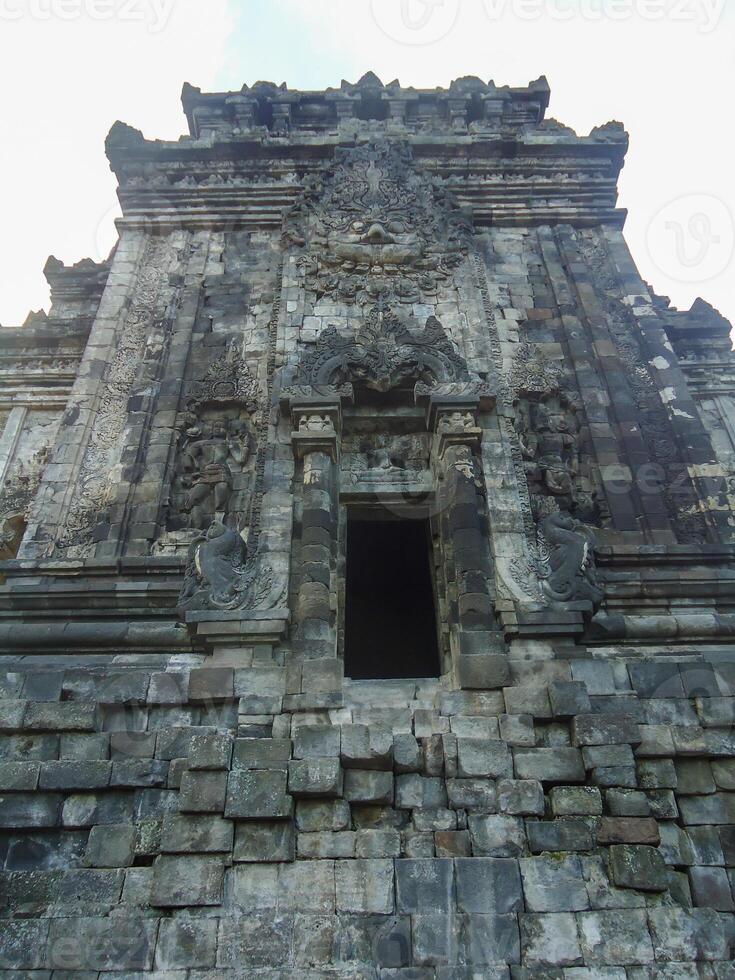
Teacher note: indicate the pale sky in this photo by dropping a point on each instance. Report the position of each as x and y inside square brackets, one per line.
[70, 68]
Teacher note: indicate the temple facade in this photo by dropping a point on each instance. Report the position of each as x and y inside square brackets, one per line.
[367, 594]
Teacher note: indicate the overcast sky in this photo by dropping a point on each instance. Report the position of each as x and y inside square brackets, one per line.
[70, 68]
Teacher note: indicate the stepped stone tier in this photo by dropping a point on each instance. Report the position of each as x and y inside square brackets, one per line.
[367, 603]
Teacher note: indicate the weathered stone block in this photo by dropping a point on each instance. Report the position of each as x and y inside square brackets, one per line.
[257, 795]
[483, 757]
[30, 809]
[488, 885]
[557, 765]
[568, 698]
[638, 866]
[365, 886]
[121, 943]
[517, 730]
[483, 671]
[608, 757]
[264, 842]
[656, 774]
[406, 754]
[210, 751]
[378, 844]
[452, 843]
[711, 889]
[307, 886]
[433, 820]
[211, 683]
[74, 775]
[554, 884]
[23, 946]
[490, 940]
[604, 730]
[111, 846]
[84, 747]
[424, 885]
[203, 792]
[687, 934]
[497, 835]
[323, 845]
[251, 887]
[261, 753]
[316, 742]
[520, 797]
[62, 716]
[566, 834]
[718, 808]
[259, 939]
[196, 834]
[186, 944]
[315, 778]
[524, 700]
[132, 773]
[12, 712]
[180, 881]
[627, 803]
[694, 777]
[368, 786]
[473, 794]
[550, 940]
[572, 801]
[18, 776]
[414, 791]
[628, 830]
[615, 938]
[316, 815]
[366, 747]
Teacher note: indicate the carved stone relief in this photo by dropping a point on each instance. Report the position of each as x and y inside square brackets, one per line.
[100, 467]
[375, 228]
[548, 428]
[216, 452]
[17, 496]
[220, 574]
[382, 458]
[384, 353]
[23, 479]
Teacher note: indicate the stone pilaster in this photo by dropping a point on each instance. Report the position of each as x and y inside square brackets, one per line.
[478, 651]
[315, 440]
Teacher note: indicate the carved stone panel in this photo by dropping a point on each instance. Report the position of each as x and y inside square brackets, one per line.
[376, 228]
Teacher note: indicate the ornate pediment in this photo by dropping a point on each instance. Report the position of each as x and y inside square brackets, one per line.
[384, 353]
[227, 380]
[377, 228]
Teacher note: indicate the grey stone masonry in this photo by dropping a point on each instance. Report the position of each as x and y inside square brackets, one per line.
[411, 311]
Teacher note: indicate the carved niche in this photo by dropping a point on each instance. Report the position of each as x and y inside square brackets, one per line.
[215, 457]
[377, 229]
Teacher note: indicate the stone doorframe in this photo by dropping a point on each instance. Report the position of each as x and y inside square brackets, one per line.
[451, 412]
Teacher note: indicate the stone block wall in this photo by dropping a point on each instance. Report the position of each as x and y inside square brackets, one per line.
[167, 819]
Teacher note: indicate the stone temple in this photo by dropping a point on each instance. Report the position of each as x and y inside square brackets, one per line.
[367, 604]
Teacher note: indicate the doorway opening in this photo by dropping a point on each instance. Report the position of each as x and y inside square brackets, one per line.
[390, 616]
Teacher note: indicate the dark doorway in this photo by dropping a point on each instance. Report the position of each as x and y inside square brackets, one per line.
[390, 621]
